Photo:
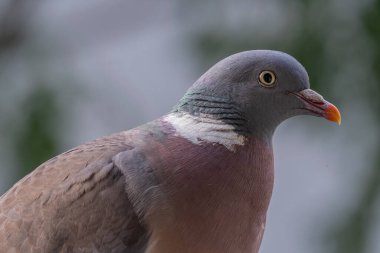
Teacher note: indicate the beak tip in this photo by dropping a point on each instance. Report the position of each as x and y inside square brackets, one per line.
[333, 114]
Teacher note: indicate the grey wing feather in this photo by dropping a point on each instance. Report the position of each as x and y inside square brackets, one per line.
[142, 184]
[76, 202]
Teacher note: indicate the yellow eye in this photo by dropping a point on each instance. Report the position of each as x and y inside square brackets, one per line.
[267, 78]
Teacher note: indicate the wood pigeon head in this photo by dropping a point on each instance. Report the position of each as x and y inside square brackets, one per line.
[255, 91]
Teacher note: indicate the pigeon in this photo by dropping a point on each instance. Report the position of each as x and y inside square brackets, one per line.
[196, 180]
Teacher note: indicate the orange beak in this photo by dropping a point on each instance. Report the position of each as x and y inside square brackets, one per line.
[332, 113]
[316, 105]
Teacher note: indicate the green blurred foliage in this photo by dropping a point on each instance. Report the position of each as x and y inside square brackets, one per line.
[36, 140]
[371, 24]
[352, 235]
[32, 138]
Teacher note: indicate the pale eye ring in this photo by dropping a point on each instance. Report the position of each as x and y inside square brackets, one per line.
[267, 78]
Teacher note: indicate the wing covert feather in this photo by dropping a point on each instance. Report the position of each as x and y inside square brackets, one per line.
[75, 202]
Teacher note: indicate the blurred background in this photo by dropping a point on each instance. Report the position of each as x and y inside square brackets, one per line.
[71, 71]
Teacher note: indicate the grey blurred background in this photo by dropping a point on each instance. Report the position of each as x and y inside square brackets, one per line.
[71, 71]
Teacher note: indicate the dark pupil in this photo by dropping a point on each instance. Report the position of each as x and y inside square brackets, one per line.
[267, 78]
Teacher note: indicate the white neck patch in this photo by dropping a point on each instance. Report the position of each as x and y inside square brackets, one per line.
[199, 129]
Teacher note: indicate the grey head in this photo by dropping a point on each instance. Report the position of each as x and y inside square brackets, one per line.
[255, 91]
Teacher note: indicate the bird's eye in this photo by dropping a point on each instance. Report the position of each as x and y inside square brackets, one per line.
[267, 78]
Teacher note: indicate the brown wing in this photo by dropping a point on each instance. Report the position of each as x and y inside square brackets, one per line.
[75, 202]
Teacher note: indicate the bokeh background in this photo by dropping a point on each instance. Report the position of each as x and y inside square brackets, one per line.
[71, 71]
